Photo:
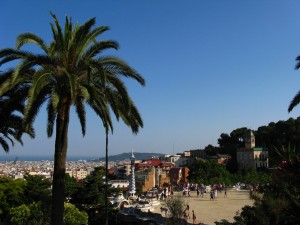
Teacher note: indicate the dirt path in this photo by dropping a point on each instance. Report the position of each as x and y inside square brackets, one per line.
[208, 211]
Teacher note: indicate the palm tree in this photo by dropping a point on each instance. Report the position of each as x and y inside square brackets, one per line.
[68, 73]
[12, 106]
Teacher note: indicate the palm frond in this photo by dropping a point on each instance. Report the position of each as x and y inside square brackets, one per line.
[4, 144]
[9, 54]
[6, 135]
[72, 83]
[116, 65]
[32, 109]
[130, 116]
[294, 102]
[32, 39]
[83, 30]
[98, 47]
[57, 33]
[91, 37]
[80, 110]
[298, 63]
[41, 79]
[51, 118]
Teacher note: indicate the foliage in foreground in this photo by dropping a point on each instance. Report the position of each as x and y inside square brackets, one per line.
[29, 201]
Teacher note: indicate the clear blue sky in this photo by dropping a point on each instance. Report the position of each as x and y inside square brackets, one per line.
[210, 66]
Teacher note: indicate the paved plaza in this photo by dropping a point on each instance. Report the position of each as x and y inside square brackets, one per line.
[208, 211]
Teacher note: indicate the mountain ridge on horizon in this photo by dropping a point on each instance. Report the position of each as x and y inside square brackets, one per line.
[127, 155]
[117, 157]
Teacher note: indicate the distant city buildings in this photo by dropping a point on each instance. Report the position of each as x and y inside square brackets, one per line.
[153, 172]
[17, 170]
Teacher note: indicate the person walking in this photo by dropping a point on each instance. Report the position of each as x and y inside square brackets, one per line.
[225, 193]
[187, 209]
[215, 193]
[211, 195]
[194, 217]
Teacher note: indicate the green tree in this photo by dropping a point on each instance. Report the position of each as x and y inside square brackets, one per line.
[38, 189]
[11, 195]
[38, 193]
[73, 216]
[71, 186]
[91, 196]
[68, 73]
[19, 215]
[28, 215]
[211, 150]
[208, 172]
[38, 216]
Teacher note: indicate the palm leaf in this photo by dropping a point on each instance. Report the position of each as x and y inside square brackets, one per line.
[32, 109]
[31, 38]
[115, 65]
[294, 102]
[98, 47]
[81, 113]
[4, 144]
[51, 118]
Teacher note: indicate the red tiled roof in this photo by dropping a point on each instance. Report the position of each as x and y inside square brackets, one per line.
[144, 164]
[154, 162]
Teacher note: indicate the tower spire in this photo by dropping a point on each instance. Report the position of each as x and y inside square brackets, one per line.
[132, 189]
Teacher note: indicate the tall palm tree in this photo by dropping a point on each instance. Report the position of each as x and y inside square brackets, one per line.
[68, 73]
[296, 100]
[12, 106]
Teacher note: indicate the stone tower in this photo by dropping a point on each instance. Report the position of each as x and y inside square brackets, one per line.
[249, 140]
[132, 189]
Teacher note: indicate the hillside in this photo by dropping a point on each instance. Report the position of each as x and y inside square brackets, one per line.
[126, 156]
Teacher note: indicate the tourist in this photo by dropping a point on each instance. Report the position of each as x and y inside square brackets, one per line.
[194, 217]
[185, 214]
[164, 209]
[202, 192]
[187, 209]
[211, 195]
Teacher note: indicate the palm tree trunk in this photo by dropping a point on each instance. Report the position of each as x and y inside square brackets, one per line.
[61, 144]
[106, 180]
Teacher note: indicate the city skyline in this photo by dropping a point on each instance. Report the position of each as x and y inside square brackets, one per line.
[210, 67]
